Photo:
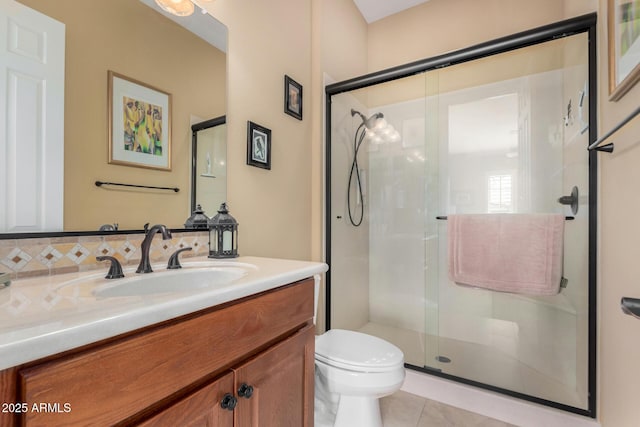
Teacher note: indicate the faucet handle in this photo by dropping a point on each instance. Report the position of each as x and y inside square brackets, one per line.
[174, 261]
[115, 270]
[5, 280]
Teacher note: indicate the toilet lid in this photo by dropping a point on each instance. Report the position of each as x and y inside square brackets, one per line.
[357, 351]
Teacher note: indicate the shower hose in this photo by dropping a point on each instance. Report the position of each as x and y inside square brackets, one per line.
[354, 174]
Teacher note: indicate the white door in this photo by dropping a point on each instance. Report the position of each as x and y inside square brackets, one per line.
[31, 120]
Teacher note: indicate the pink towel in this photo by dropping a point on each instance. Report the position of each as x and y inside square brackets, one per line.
[518, 253]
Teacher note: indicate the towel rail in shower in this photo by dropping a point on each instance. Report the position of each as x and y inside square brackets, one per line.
[567, 218]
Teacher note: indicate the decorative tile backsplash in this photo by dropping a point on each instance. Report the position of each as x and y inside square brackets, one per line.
[45, 256]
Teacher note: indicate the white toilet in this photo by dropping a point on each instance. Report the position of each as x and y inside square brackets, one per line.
[353, 371]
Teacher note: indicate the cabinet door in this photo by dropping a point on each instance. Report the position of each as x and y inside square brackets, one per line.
[202, 408]
[281, 379]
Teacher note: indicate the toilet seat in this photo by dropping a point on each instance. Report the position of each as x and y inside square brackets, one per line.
[355, 351]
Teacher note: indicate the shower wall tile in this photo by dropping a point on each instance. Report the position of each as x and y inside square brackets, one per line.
[58, 255]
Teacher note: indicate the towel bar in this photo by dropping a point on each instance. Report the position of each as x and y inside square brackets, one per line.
[630, 306]
[609, 147]
[101, 183]
[567, 218]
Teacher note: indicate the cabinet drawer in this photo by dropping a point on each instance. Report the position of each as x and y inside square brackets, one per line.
[113, 382]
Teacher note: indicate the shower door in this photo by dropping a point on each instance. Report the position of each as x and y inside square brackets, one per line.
[504, 133]
[512, 140]
[385, 265]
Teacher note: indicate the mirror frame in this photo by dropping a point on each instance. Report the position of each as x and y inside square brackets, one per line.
[216, 36]
[195, 128]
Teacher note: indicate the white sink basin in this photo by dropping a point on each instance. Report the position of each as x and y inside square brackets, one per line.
[192, 278]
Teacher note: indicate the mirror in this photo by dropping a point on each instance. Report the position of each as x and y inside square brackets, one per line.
[135, 39]
[209, 160]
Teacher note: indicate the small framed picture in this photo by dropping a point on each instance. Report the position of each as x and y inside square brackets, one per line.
[139, 124]
[292, 97]
[258, 146]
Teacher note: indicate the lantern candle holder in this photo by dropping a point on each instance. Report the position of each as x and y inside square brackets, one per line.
[223, 234]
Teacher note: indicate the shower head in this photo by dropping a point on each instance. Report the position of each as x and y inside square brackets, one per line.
[370, 122]
[376, 129]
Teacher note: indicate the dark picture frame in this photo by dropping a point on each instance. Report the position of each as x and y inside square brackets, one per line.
[292, 97]
[258, 146]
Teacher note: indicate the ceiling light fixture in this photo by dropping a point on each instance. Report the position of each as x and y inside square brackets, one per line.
[179, 7]
[176, 7]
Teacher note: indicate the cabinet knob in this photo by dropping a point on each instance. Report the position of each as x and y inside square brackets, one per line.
[245, 390]
[229, 402]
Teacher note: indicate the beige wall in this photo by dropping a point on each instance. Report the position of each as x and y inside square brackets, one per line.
[129, 38]
[619, 238]
[339, 53]
[266, 41]
[440, 26]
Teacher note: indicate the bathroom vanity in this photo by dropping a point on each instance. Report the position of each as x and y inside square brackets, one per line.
[245, 361]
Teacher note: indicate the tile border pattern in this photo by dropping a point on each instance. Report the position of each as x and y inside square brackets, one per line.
[23, 258]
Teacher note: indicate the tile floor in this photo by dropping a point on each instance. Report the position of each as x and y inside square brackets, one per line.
[403, 409]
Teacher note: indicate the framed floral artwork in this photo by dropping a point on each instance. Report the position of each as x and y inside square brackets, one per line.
[139, 124]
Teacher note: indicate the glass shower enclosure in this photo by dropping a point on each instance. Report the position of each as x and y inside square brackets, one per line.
[491, 129]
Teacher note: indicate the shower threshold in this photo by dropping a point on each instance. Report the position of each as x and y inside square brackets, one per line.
[474, 364]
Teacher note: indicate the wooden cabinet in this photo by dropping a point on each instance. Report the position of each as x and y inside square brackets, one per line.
[274, 388]
[179, 372]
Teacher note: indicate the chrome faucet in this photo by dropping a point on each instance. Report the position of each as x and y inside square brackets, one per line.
[145, 264]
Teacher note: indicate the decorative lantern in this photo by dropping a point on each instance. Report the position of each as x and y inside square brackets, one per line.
[223, 235]
[198, 220]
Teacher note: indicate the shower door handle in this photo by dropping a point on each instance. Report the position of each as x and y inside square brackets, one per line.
[571, 200]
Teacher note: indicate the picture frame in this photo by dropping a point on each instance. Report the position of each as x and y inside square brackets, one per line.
[292, 97]
[624, 46]
[139, 123]
[258, 146]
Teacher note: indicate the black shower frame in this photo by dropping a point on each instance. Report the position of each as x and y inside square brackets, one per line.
[195, 128]
[581, 24]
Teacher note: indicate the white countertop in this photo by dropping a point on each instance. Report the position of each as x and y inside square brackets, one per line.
[42, 316]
